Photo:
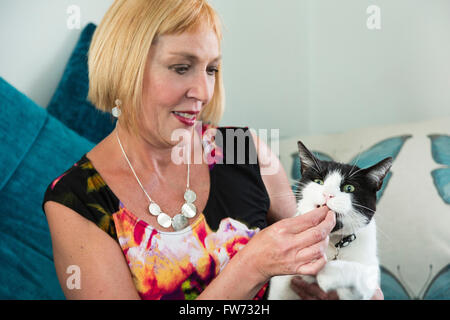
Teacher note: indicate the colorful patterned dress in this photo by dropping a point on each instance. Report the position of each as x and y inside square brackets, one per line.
[177, 265]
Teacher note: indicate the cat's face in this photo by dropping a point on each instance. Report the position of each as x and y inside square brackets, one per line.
[346, 189]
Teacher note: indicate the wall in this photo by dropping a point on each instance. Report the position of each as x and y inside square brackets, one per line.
[360, 77]
[304, 66]
[36, 42]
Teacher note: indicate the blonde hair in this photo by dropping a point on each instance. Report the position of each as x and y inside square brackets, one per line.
[120, 46]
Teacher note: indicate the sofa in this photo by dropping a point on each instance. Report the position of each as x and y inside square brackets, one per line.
[38, 144]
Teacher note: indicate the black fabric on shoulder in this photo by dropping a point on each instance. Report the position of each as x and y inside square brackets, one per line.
[81, 189]
[237, 189]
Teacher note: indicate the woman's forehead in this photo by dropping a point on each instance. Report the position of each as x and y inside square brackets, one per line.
[195, 45]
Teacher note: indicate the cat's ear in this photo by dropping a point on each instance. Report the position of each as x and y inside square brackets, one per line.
[307, 159]
[378, 172]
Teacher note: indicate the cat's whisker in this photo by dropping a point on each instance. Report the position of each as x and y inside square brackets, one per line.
[358, 205]
[283, 195]
[287, 194]
[355, 172]
[381, 232]
[293, 180]
[384, 234]
[354, 226]
[357, 159]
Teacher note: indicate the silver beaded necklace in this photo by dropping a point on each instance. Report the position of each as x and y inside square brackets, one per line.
[188, 210]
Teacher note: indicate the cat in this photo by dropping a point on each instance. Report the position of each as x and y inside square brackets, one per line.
[352, 267]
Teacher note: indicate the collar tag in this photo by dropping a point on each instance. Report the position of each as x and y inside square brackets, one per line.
[345, 241]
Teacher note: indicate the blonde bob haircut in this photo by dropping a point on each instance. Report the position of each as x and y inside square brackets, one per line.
[120, 46]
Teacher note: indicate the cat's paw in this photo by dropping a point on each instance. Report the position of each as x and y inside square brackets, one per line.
[350, 280]
[349, 294]
[309, 279]
[329, 277]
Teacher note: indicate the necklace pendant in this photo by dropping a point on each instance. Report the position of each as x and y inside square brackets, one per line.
[164, 220]
[154, 209]
[179, 222]
[189, 210]
[190, 196]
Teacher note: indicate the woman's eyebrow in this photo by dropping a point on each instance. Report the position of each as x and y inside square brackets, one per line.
[192, 57]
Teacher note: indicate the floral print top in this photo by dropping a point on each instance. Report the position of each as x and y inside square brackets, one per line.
[175, 265]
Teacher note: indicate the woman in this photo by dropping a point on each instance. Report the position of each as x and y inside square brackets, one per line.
[140, 225]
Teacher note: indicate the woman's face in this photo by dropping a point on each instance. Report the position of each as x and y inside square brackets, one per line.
[178, 82]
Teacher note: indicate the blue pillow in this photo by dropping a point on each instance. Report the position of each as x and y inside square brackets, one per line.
[69, 104]
[36, 148]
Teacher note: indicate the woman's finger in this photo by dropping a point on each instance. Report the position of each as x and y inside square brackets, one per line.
[306, 221]
[314, 252]
[313, 267]
[318, 233]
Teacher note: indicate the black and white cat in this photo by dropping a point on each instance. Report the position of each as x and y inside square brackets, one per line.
[352, 268]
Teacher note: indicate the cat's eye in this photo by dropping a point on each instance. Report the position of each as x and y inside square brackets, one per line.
[319, 181]
[348, 188]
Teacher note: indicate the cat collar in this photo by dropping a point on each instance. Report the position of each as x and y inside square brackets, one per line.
[345, 241]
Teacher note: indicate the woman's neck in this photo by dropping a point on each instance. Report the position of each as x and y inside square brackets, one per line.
[147, 156]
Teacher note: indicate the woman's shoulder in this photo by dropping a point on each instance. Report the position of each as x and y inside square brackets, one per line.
[81, 189]
[69, 179]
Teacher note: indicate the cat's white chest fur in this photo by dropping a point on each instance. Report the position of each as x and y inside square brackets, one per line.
[354, 274]
[352, 271]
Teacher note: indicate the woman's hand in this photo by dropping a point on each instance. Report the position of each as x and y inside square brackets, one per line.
[290, 246]
[311, 291]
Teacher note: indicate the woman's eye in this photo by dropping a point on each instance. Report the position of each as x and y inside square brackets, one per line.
[348, 188]
[319, 181]
[181, 69]
[212, 71]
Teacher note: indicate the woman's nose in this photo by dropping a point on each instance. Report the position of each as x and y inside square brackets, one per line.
[201, 88]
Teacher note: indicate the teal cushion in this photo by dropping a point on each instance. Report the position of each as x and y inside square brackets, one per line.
[69, 103]
[36, 148]
[21, 119]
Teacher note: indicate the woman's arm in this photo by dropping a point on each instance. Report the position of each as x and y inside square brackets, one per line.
[78, 242]
[294, 245]
[290, 246]
[282, 200]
